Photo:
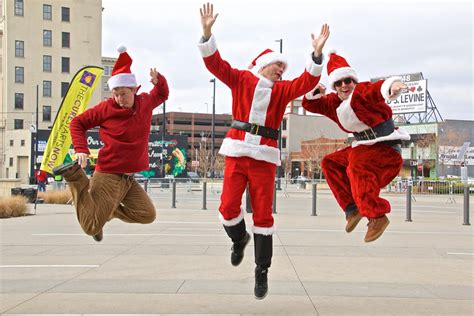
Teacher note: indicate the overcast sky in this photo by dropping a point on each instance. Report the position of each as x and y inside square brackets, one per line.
[377, 39]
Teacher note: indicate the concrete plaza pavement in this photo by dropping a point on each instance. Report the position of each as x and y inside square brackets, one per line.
[180, 263]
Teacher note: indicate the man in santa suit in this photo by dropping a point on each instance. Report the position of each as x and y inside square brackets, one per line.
[356, 174]
[259, 101]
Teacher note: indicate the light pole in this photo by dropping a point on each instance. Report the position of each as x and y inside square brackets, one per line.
[163, 132]
[412, 160]
[213, 124]
[279, 134]
[34, 139]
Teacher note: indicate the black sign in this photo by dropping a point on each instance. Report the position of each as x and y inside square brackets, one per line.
[166, 156]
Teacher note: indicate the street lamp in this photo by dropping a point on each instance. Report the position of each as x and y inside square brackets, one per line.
[163, 132]
[213, 124]
[412, 160]
[279, 134]
[34, 139]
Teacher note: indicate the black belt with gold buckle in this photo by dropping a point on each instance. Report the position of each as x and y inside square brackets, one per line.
[255, 129]
[383, 129]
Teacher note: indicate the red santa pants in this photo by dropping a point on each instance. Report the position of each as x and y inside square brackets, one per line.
[260, 176]
[356, 176]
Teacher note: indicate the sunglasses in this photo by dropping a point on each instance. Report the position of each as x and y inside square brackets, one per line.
[346, 81]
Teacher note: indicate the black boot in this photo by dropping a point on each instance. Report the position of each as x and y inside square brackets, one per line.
[261, 283]
[240, 239]
[263, 260]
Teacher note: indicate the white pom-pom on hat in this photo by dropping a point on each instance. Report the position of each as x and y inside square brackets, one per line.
[122, 49]
[332, 51]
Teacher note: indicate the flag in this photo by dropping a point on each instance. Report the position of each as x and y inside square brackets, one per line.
[74, 103]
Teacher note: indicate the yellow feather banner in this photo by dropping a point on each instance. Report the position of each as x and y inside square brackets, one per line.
[74, 103]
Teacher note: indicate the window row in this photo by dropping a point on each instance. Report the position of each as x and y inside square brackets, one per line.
[19, 9]
[47, 92]
[12, 143]
[47, 67]
[48, 64]
[48, 39]
[48, 13]
[46, 115]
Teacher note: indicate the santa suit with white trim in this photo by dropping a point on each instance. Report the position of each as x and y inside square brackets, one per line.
[252, 158]
[356, 174]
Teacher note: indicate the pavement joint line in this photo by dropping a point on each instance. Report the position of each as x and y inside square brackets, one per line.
[297, 275]
[280, 229]
[50, 266]
[461, 253]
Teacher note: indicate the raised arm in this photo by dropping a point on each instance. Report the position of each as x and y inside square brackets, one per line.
[160, 89]
[207, 19]
[319, 42]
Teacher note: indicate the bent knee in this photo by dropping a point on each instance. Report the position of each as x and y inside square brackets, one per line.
[150, 218]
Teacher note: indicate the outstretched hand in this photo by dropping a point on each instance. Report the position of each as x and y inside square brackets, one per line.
[397, 88]
[208, 19]
[154, 76]
[318, 43]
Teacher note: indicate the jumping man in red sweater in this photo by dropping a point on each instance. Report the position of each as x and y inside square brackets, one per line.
[124, 122]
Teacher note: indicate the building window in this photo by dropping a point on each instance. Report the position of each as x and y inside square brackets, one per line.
[47, 12]
[19, 49]
[19, 7]
[65, 61]
[11, 161]
[283, 125]
[65, 15]
[106, 86]
[46, 113]
[19, 100]
[19, 74]
[47, 38]
[12, 142]
[283, 143]
[65, 40]
[18, 124]
[64, 88]
[47, 87]
[47, 63]
[107, 70]
[22, 142]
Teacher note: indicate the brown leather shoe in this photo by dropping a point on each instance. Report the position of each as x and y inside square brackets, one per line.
[376, 227]
[99, 236]
[352, 220]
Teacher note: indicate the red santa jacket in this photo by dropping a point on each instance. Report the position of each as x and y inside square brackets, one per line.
[256, 100]
[41, 176]
[365, 108]
[124, 132]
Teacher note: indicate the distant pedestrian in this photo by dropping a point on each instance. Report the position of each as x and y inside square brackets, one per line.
[41, 179]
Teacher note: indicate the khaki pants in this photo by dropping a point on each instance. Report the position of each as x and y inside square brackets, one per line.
[106, 196]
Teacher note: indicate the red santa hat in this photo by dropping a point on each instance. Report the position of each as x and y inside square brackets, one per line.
[121, 74]
[266, 58]
[338, 68]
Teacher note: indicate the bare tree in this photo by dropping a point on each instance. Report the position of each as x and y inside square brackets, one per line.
[314, 151]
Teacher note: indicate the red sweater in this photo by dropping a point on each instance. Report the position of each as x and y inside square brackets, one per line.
[124, 132]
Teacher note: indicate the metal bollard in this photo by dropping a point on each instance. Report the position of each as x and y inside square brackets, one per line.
[145, 185]
[275, 198]
[314, 194]
[248, 205]
[409, 189]
[466, 205]
[173, 195]
[204, 194]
